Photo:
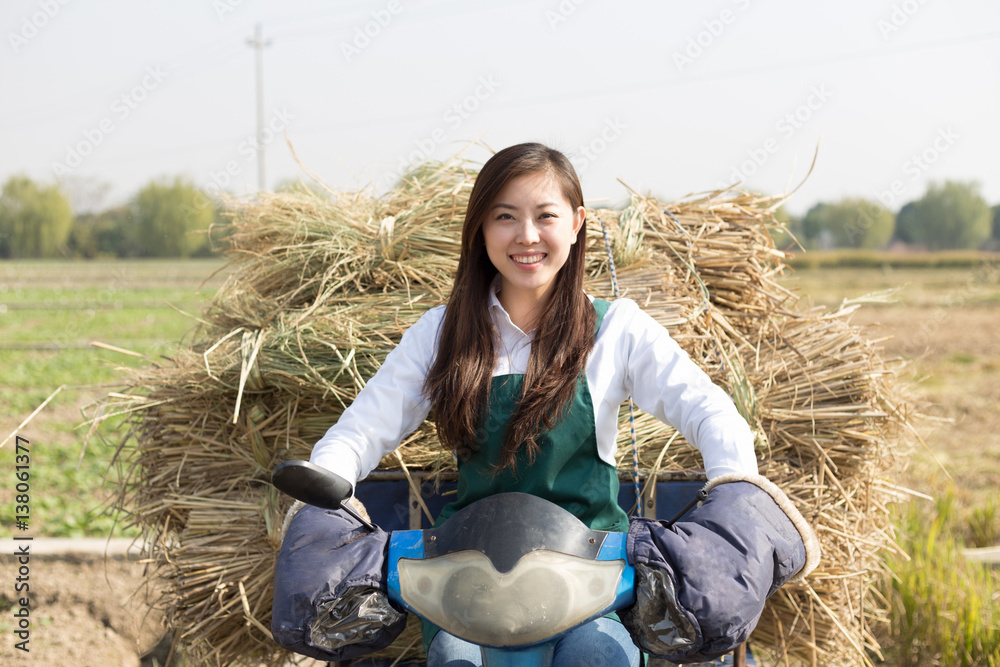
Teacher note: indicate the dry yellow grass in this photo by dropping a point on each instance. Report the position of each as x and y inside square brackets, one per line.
[321, 290]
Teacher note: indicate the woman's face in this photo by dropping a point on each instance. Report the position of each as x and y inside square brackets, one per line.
[529, 231]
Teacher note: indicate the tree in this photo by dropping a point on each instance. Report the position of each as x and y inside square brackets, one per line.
[110, 233]
[993, 244]
[170, 219]
[814, 225]
[868, 224]
[34, 221]
[903, 224]
[850, 223]
[791, 234]
[949, 215]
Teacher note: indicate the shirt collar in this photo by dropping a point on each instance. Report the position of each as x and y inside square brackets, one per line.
[499, 314]
[494, 290]
[497, 311]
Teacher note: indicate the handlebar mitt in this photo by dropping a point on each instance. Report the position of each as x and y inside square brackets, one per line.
[330, 599]
[701, 583]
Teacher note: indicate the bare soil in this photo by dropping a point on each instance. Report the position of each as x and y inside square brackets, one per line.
[950, 365]
[84, 610]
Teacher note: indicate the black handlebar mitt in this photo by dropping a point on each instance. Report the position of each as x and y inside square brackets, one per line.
[701, 583]
[330, 600]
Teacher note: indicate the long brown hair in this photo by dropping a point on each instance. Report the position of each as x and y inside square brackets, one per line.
[459, 381]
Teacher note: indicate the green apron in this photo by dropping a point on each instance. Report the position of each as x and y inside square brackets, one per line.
[567, 469]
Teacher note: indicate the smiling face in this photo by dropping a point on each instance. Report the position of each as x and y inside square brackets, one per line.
[529, 230]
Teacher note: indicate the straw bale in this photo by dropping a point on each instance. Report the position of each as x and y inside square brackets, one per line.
[320, 289]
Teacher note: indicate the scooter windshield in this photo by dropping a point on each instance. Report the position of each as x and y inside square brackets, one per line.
[544, 594]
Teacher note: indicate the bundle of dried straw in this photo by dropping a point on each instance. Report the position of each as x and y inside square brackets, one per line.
[321, 289]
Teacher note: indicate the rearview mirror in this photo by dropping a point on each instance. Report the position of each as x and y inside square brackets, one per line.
[315, 485]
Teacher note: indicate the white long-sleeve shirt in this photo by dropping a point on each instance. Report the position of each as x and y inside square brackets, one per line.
[633, 354]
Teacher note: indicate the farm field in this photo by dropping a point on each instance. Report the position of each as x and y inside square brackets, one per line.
[50, 313]
[939, 325]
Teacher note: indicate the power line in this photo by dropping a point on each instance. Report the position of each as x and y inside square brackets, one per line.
[611, 90]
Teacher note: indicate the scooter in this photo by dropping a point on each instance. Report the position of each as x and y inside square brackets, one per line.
[512, 572]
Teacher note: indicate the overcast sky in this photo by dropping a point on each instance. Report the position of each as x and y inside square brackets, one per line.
[670, 97]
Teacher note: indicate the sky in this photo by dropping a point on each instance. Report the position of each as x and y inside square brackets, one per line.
[667, 97]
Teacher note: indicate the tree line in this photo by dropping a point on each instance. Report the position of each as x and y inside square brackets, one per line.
[951, 215]
[172, 218]
[164, 219]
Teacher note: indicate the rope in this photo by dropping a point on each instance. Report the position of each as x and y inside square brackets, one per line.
[631, 407]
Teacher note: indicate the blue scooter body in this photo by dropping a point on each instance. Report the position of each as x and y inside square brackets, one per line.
[512, 572]
[504, 530]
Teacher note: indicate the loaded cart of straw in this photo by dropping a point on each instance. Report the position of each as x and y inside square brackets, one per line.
[321, 288]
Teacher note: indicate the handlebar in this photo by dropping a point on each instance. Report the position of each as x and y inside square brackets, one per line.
[315, 485]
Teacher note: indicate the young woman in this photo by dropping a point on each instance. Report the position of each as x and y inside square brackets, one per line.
[525, 374]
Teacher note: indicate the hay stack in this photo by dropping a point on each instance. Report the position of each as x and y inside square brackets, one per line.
[321, 290]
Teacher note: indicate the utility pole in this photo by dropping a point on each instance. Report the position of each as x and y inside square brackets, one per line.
[258, 44]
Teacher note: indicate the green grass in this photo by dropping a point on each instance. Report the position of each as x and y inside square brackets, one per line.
[943, 609]
[68, 328]
[964, 358]
[49, 314]
[99, 273]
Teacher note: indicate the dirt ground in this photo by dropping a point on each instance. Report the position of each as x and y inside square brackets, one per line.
[84, 610]
[951, 368]
[88, 611]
